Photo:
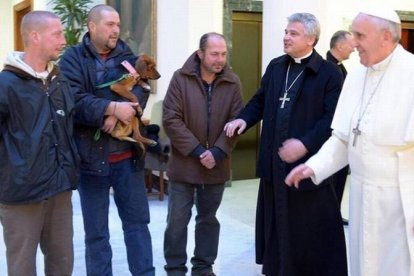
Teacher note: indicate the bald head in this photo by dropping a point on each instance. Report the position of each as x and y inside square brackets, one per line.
[35, 21]
[104, 28]
[206, 37]
[95, 14]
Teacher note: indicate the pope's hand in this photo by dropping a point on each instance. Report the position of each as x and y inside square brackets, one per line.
[297, 174]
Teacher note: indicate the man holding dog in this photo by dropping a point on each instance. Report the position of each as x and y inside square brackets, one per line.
[39, 159]
[202, 96]
[105, 161]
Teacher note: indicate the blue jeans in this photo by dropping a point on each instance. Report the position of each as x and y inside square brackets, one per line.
[131, 200]
[182, 197]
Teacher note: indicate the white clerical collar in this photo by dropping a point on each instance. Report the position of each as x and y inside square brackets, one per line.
[298, 60]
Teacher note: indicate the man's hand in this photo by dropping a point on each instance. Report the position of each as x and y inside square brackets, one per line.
[292, 150]
[300, 172]
[123, 111]
[109, 124]
[231, 127]
[207, 159]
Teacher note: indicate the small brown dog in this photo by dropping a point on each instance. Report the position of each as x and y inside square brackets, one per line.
[145, 68]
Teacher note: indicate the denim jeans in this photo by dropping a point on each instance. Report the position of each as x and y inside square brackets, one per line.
[131, 200]
[182, 197]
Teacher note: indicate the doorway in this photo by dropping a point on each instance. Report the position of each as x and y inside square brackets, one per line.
[407, 35]
[407, 30]
[20, 10]
[246, 62]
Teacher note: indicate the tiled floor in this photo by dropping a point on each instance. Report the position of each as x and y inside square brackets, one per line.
[236, 251]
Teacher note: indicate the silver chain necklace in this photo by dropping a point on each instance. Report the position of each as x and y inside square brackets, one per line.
[285, 99]
[356, 131]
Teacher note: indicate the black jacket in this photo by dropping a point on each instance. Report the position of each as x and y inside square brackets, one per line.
[331, 58]
[79, 65]
[38, 156]
[310, 118]
[293, 224]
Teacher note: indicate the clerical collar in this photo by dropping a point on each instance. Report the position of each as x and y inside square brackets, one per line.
[302, 59]
[331, 57]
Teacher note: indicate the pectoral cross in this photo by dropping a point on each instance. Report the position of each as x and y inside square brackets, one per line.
[356, 133]
[283, 100]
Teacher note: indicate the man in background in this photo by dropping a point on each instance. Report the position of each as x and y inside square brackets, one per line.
[341, 47]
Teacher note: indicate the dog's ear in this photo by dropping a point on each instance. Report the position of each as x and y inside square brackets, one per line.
[142, 65]
[145, 66]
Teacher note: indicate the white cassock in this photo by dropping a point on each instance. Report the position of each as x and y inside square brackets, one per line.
[381, 230]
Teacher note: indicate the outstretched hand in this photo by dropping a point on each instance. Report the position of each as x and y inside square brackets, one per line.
[231, 127]
[297, 174]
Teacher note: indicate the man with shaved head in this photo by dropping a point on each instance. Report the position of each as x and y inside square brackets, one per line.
[38, 165]
[105, 161]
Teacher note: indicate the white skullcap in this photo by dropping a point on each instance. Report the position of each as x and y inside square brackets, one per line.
[382, 12]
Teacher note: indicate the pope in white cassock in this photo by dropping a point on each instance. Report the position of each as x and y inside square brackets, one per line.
[373, 132]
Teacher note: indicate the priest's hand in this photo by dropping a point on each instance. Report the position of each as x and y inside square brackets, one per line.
[231, 127]
[292, 150]
[300, 172]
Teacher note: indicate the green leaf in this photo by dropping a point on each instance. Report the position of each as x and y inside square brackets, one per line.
[73, 14]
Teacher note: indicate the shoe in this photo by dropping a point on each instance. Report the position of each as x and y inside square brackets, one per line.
[345, 222]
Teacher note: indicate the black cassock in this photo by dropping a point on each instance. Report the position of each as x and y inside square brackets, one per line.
[299, 232]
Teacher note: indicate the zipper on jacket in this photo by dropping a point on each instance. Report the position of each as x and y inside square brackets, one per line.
[47, 85]
[209, 90]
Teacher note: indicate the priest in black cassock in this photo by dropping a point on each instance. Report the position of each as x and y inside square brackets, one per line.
[298, 231]
[340, 48]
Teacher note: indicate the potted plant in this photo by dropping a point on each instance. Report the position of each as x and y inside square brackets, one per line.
[73, 14]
